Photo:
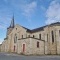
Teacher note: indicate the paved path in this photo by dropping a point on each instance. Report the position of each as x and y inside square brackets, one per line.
[6, 56]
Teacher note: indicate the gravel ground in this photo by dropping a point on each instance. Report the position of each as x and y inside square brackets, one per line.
[6, 56]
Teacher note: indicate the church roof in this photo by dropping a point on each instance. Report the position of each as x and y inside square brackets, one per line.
[42, 28]
[56, 23]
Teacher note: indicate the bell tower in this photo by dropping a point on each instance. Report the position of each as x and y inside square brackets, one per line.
[9, 29]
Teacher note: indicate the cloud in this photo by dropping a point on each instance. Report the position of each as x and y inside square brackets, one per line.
[53, 12]
[4, 21]
[5, 17]
[26, 8]
[29, 9]
[1, 41]
[2, 26]
[42, 8]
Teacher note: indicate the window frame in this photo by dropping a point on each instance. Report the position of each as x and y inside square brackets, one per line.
[40, 36]
[37, 44]
[52, 33]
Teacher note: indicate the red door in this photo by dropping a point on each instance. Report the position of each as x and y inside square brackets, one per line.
[23, 47]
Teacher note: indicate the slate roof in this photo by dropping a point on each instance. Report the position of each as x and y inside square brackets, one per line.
[56, 23]
[38, 29]
[42, 28]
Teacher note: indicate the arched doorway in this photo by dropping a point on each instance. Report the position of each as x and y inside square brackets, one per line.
[23, 48]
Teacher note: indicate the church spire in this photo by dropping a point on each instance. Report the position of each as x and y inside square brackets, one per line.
[12, 22]
[9, 29]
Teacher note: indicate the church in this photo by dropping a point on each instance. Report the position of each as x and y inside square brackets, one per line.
[40, 41]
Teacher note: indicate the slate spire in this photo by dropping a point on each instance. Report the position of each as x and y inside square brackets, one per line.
[12, 22]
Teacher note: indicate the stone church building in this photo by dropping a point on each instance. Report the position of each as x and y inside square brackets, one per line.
[39, 41]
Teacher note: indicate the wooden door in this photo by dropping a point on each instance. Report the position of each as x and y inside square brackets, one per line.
[23, 47]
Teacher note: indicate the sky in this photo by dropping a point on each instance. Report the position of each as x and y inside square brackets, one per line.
[28, 13]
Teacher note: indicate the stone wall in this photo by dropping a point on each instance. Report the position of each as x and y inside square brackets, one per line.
[30, 46]
[18, 31]
[46, 46]
[52, 47]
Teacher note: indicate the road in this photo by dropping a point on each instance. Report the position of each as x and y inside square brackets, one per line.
[6, 56]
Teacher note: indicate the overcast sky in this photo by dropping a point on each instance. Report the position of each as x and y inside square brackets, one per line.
[28, 13]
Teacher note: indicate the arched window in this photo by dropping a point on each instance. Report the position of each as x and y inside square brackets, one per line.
[52, 36]
[33, 36]
[40, 36]
[16, 28]
[28, 35]
[47, 37]
[15, 38]
[37, 44]
[59, 32]
[22, 36]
